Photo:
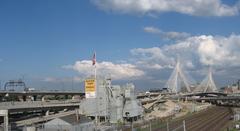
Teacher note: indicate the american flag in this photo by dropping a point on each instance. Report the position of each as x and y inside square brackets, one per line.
[94, 59]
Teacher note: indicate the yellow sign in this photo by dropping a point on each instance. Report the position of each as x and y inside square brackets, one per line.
[90, 88]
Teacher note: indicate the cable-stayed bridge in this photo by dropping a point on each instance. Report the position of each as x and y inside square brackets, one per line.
[179, 81]
[208, 84]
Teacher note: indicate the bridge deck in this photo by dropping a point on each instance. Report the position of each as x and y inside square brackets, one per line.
[33, 105]
[2, 93]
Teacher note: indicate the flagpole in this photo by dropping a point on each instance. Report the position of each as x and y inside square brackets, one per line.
[95, 76]
[95, 65]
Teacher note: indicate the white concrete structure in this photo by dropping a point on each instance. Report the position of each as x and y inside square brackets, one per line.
[114, 103]
[4, 113]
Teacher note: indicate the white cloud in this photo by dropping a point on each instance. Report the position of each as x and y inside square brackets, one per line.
[205, 50]
[116, 71]
[176, 35]
[172, 35]
[64, 79]
[151, 29]
[209, 50]
[189, 7]
[189, 64]
[151, 58]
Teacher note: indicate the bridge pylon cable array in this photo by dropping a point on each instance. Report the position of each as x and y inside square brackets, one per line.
[208, 84]
[176, 79]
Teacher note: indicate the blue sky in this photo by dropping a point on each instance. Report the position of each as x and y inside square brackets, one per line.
[38, 39]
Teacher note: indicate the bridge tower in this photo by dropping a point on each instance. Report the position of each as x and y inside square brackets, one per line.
[176, 79]
[207, 85]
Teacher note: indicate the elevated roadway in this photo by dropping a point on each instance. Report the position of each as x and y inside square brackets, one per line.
[205, 94]
[221, 98]
[233, 101]
[32, 93]
[15, 107]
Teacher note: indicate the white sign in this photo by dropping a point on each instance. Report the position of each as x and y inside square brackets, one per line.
[90, 88]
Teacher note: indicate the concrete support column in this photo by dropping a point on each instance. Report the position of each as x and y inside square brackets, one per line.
[20, 98]
[76, 97]
[43, 98]
[6, 123]
[186, 99]
[47, 113]
[4, 113]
